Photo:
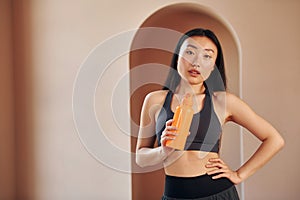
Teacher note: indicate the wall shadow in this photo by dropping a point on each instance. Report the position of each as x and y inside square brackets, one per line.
[7, 146]
[23, 95]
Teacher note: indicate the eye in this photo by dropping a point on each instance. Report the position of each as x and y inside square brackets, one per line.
[189, 52]
[207, 56]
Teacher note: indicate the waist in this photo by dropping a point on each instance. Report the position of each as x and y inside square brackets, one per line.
[194, 187]
[188, 163]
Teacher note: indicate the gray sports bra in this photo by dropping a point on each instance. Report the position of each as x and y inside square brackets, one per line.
[205, 130]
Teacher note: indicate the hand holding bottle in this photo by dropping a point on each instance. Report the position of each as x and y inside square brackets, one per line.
[181, 121]
[169, 133]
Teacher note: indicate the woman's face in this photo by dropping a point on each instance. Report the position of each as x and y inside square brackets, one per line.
[196, 59]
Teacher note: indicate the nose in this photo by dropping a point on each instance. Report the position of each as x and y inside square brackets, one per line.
[195, 65]
[197, 61]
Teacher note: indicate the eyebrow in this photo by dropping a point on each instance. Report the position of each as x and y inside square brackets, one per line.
[195, 47]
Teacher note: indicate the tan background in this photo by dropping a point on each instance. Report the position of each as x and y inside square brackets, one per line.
[41, 156]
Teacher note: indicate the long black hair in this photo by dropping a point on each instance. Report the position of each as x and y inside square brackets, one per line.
[217, 79]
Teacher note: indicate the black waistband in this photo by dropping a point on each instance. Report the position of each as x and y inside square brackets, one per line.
[194, 187]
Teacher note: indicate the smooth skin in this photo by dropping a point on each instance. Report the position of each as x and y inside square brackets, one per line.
[195, 63]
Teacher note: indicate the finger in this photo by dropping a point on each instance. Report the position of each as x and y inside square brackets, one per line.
[163, 142]
[171, 128]
[216, 171]
[166, 138]
[171, 135]
[218, 165]
[169, 122]
[222, 175]
[217, 160]
[167, 133]
[169, 138]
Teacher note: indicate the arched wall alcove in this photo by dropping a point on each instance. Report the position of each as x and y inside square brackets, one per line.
[179, 18]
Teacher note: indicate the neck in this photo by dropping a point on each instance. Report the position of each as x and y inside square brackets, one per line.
[185, 87]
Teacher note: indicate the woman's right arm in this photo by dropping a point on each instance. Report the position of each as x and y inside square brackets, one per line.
[146, 153]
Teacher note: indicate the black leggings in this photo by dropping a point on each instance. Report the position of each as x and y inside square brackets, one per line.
[200, 187]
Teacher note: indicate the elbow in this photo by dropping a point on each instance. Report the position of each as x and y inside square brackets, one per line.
[278, 142]
[281, 143]
[139, 159]
[140, 163]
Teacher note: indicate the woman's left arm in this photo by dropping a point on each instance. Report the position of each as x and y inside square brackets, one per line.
[240, 113]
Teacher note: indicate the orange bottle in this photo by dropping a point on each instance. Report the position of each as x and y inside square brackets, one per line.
[182, 119]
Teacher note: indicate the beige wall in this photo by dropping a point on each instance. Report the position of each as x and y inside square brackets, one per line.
[270, 86]
[53, 38]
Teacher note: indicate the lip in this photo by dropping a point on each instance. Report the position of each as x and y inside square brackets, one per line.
[194, 72]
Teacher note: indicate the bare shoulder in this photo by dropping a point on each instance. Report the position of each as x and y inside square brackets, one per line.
[234, 102]
[237, 109]
[156, 97]
[222, 97]
[219, 103]
[225, 103]
[153, 102]
[219, 96]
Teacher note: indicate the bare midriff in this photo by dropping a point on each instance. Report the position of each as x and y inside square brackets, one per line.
[188, 163]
